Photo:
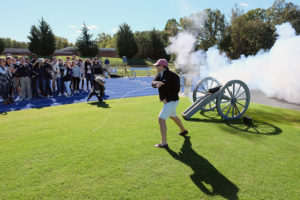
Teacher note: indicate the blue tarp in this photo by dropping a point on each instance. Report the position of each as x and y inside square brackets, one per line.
[115, 88]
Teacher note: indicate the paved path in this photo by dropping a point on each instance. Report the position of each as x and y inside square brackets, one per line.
[259, 97]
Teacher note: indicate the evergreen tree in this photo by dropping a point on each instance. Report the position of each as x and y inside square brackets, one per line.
[2, 45]
[126, 44]
[157, 45]
[42, 40]
[85, 44]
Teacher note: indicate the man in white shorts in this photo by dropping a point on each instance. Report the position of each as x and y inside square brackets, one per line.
[168, 84]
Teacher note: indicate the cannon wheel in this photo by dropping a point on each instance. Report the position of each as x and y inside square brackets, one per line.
[201, 90]
[233, 100]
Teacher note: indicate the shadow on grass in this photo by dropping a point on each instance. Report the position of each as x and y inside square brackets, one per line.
[274, 115]
[205, 173]
[102, 104]
[258, 127]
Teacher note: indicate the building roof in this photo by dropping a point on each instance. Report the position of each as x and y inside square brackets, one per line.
[16, 51]
[68, 51]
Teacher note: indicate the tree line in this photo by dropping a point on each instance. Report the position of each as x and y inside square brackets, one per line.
[244, 34]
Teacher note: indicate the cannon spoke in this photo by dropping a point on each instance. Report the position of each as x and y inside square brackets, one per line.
[225, 97]
[226, 106]
[233, 90]
[238, 91]
[228, 110]
[240, 104]
[242, 99]
[229, 92]
[241, 94]
[211, 84]
[233, 110]
[237, 109]
[225, 101]
[204, 88]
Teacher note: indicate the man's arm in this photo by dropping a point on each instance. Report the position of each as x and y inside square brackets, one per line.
[154, 82]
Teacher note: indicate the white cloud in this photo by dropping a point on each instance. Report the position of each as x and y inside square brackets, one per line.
[114, 30]
[73, 26]
[243, 4]
[78, 31]
[91, 27]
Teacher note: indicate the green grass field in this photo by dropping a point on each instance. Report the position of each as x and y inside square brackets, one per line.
[91, 151]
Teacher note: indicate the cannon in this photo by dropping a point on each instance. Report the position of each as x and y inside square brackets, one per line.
[231, 100]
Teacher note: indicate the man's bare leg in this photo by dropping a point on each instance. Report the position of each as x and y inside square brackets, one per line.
[163, 130]
[179, 123]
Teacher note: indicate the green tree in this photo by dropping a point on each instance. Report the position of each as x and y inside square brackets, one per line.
[9, 43]
[171, 28]
[62, 42]
[157, 45]
[185, 23]
[250, 36]
[41, 39]
[281, 12]
[85, 44]
[2, 45]
[213, 30]
[126, 44]
[143, 41]
[34, 39]
[257, 14]
[106, 41]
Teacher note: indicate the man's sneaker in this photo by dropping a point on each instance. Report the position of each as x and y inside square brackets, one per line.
[166, 146]
[183, 133]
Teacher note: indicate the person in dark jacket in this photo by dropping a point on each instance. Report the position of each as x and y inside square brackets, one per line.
[97, 89]
[67, 78]
[96, 68]
[23, 72]
[41, 77]
[4, 82]
[49, 73]
[33, 74]
[168, 84]
[88, 72]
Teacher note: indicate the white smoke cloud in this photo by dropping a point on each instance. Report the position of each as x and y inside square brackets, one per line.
[243, 4]
[275, 72]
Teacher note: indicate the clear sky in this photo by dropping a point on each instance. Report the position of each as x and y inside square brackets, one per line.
[66, 16]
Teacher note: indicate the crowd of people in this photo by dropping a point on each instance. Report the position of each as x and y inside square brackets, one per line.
[22, 78]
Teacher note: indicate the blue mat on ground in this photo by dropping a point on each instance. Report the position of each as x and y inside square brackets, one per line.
[115, 88]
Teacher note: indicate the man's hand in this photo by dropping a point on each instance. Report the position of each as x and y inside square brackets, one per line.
[159, 84]
[164, 101]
